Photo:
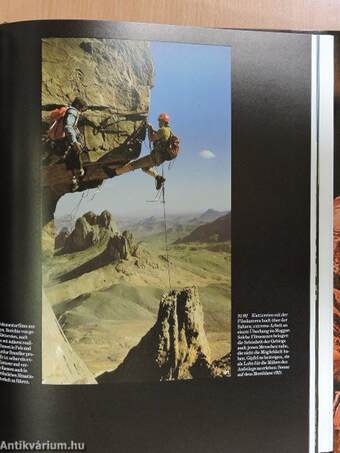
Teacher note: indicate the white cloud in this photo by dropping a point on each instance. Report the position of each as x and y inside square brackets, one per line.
[207, 154]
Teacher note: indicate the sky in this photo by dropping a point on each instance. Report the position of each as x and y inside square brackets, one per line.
[192, 84]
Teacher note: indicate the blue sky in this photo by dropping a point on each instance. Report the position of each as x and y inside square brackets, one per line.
[192, 84]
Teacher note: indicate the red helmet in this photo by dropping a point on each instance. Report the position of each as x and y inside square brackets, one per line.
[164, 117]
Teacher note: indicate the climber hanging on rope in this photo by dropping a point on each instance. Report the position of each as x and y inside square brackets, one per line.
[165, 148]
[64, 132]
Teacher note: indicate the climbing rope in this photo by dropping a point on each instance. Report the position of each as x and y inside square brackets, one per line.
[75, 210]
[160, 197]
[98, 189]
[85, 194]
[157, 198]
[166, 231]
[171, 164]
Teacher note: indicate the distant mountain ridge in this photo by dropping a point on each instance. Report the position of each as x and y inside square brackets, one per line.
[217, 231]
[154, 224]
[210, 215]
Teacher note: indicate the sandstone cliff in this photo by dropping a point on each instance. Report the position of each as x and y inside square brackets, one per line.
[114, 77]
[61, 238]
[121, 247]
[176, 347]
[60, 364]
[48, 238]
[90, 230]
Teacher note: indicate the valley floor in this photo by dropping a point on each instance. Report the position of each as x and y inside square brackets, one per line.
[105, 310]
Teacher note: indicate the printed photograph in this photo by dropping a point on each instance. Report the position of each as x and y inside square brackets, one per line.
[136, 235]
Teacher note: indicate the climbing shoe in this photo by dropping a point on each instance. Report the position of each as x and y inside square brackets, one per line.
[110, 172]
[159, 182]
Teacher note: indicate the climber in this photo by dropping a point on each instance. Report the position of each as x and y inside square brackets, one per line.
[73, 156]
[165, 147]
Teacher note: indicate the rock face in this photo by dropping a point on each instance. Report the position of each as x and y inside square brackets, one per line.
[182, 340]
[90, 230]
[217, 231]
[114, 77]
[121, 246]
[48, 238]
[176, 347]
[60, 364]
[61, 238]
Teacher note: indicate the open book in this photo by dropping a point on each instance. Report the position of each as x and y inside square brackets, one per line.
[167, 247]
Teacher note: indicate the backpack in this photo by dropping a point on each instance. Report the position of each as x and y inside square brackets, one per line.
[56, 131]
[173, 147]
